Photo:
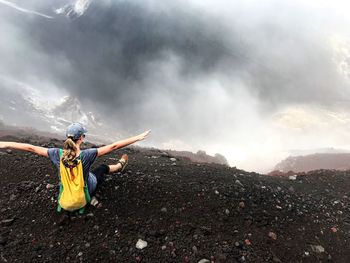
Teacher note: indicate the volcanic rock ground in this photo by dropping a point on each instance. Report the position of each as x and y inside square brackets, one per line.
[186, 212]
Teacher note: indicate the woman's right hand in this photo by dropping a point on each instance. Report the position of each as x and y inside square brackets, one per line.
[143, 136]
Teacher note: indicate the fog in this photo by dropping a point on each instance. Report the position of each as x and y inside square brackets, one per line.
[252, 80]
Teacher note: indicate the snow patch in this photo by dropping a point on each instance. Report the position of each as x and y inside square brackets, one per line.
[74, 9]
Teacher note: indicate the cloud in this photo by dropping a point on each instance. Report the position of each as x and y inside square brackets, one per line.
[24, 10]
[207, 74]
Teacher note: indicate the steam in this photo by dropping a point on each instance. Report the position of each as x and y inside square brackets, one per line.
[247, 80]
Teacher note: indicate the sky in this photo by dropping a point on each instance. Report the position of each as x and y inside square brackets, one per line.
[252, 80]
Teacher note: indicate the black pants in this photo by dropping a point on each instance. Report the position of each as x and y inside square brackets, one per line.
[100, 173]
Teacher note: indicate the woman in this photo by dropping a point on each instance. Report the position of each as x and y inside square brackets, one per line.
[71, 155]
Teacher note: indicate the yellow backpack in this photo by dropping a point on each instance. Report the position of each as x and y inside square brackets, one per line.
[74, 193]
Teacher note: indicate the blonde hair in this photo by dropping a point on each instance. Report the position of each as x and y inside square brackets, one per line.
[69, 150]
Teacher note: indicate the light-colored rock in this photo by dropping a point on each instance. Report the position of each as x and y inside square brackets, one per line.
[50, 186]
[204, 260]
[141, 244]
[292, 177]
[317, 248]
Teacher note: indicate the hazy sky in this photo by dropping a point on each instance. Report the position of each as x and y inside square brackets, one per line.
[251, 80]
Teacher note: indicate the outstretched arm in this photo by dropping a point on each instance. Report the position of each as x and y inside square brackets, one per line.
[120, 144]
[25, 147]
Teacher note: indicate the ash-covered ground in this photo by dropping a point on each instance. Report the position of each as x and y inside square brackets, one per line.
[186, 212]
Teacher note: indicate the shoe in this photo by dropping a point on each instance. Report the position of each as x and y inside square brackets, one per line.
[123, 161]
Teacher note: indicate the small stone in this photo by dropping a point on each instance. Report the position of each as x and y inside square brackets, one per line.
[9, 151]
[87, 244]
[317, 248]
[90, 214]
[37, 189]
[247, 242]
[13, 197]
[227, 212]
[239, 183]
[195, 249]
[163, 247]
[307, 253]
[50, 186]
[7, 222]
[292, 177]
[173, 159]
[80, 254]
[241, 204]
[216, 192]
[204, 260]
[164, 210]
[141, 244]
[272, 235]
[334, 229]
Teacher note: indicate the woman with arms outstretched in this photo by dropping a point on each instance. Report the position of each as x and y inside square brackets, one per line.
[73, 165]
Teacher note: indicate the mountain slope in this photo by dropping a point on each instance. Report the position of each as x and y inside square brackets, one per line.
[186, 212]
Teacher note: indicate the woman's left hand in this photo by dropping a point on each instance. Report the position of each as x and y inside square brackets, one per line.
[143, 136]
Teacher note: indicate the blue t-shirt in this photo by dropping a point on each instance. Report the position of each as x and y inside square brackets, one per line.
[87, 158]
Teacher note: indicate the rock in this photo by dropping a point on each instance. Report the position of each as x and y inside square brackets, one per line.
[239, 183]
[227, 212]
[272, 235]
[13, 197]
[9, 151]
[173, 159]
[164, 210]
[7, 222]
[141, 244]
[163, 247]
[241, 204]
[37, 189]
[317, 248]
[216, 192]
[247, 242]
[276, 259]
[90, 214]
[80, 254]
[292, 177]
[195, 249]
[50, 186]
[204, 260]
